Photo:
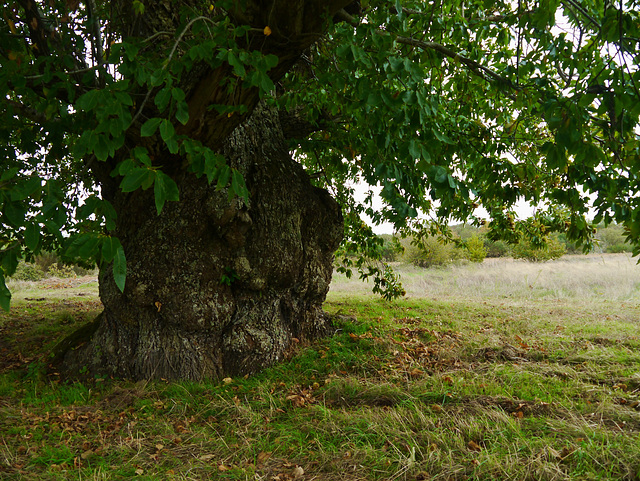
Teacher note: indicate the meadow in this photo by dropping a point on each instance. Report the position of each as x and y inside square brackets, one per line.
[506, 370]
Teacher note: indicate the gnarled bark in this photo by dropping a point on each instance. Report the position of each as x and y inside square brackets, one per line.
[215, 286]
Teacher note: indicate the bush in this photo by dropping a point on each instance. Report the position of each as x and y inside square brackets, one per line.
[554, 249]
[62, 271]
[612, 239]
[496, 248]
[44, 260]
[28, 272]
[475, 250]
[432, 251]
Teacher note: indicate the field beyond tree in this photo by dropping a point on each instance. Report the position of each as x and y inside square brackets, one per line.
[500, 370]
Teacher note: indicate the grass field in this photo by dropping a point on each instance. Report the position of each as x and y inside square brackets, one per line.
[505, 370]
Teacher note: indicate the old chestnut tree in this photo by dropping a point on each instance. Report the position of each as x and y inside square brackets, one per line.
[203, 154]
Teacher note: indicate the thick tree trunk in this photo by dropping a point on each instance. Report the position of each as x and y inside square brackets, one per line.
[217, 287]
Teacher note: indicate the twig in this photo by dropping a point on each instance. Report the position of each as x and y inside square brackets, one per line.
[167, 62]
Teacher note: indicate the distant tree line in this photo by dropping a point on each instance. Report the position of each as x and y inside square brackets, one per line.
[471, 244]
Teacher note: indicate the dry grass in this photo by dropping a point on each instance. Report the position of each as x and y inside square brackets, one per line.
[611, 277]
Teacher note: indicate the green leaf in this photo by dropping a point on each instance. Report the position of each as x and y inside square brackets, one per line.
[32, 236]
[414, 149]
[101, 147]
[164, 189]
[89, 100]
[5, 294]
[120, 268]
[10, 261]
[178, 94]
[442, 137]
[110, 246]
[441, 175]
[223, 177]
[238, 186]
[135, 178]
[271, 61]
[162, 98]
[89, 245]
[9, 174]
[182, 113]
[14, 213]
[150, 126]
[168, 134]
[238, 67]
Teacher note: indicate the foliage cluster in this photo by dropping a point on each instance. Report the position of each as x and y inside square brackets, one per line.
[552, 249]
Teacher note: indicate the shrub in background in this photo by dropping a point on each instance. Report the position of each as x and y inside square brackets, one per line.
[553, 249]
[612, 239]
[496, 248]
[432, 251]
[28, 272]
[62, 271]
[44, 260]
[474, 249]
[390, 249]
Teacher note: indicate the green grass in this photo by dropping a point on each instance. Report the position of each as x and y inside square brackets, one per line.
[446, 387]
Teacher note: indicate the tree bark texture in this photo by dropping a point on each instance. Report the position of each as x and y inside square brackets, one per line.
[218, 287]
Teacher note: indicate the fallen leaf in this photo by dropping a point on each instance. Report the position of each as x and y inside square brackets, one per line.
[566, 452]
[473, 446]
[262, 457]
[298, 472]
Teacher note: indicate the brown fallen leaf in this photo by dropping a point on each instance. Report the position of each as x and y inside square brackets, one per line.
[566, 452]
[473, 446]
[262, 457]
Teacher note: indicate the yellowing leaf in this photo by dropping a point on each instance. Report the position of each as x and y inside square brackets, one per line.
[267, 31]
[473, 446]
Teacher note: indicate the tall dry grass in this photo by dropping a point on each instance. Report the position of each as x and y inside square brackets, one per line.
[611, 277]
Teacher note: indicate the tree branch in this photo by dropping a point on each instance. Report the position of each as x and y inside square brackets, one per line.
[97, 38]
[38, 31]
[474, 66]
[295, 126]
